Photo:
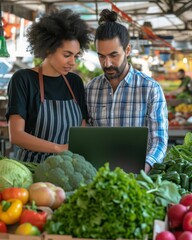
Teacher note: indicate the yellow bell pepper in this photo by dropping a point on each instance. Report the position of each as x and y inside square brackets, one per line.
[10, 211]
[27, 229]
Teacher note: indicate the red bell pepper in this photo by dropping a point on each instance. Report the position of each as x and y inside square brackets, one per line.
[34, 216]
[3, 227]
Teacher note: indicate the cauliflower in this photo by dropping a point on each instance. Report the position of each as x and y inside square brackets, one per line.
[67, 170]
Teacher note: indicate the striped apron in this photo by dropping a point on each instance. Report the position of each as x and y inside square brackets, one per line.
[54, 119]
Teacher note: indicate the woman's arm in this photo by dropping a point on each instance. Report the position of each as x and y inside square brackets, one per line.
[19, 137]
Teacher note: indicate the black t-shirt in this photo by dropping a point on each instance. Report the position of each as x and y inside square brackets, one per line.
[24, 94]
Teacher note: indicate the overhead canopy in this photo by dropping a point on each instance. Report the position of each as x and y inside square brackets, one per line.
[166, 17]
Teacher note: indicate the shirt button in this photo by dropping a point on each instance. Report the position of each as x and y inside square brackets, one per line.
[110, 93]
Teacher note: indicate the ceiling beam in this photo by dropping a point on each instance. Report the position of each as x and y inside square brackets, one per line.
[184, 8]
[19, 11]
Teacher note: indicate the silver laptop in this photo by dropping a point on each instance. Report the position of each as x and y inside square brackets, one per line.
[123, 147]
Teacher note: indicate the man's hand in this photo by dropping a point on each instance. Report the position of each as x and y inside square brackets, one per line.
[147, 167]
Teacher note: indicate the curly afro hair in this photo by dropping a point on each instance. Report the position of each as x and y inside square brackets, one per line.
[46, 35]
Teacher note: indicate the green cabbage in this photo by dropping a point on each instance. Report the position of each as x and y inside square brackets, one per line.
[14, 174]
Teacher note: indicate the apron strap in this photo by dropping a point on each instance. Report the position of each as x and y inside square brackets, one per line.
[69, 87]
[41, 84]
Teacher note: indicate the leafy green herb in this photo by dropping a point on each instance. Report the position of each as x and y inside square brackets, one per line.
[165, 191]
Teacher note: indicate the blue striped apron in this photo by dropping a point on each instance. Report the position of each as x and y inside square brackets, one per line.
[54, 119]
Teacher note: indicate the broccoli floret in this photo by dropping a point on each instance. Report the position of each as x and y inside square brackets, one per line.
[76, 179]
[66, 153]
[53, 164]
[78, 164]
[41, 173]
[60, 179]
[66, 170]
[67, 167]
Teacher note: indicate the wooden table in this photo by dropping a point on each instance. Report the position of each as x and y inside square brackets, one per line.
[177, 134]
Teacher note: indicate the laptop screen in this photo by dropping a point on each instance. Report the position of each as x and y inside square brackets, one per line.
[123, 147]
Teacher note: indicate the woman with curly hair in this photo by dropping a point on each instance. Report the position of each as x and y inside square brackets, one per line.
[45, 101]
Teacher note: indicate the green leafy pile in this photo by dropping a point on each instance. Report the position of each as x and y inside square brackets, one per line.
[113, 206]
[66, 170]
[182, 152]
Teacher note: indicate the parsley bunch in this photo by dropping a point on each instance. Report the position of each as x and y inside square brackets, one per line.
[113, 206]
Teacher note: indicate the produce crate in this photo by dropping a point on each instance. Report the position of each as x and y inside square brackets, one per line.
[19, 237]
[6, 236]
[66, 237]
[159, 226]
[57, 237]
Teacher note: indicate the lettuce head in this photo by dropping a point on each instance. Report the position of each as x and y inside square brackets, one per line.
[14, 174]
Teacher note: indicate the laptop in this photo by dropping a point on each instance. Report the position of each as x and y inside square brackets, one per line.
[123, 147]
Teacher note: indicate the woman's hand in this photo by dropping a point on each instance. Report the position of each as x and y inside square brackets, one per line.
[19, 137]
[61, 148]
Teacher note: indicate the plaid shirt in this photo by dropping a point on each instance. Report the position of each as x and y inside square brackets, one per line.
[137, 101]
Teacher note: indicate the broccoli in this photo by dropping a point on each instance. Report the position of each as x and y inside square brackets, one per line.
[67, 170]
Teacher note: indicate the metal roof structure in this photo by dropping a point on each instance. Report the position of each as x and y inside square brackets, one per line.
[164, 17]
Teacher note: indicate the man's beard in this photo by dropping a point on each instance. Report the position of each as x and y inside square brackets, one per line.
[118, 70]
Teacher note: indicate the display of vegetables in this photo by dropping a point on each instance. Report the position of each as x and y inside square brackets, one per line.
[113, 205]
[103, 204]
[16, 212]
[66, 170]
[177, 171]
[177, 166]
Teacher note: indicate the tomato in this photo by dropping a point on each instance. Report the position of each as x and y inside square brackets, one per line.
[16, 193]
[174, 123]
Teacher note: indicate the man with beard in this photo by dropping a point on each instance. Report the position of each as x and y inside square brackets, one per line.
[124, 96]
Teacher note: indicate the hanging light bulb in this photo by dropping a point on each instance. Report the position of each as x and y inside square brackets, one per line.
[3, 45]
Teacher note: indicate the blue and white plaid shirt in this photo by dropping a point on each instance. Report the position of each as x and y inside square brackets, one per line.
[138, 101]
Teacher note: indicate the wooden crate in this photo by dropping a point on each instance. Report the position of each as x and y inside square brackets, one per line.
[6, 236]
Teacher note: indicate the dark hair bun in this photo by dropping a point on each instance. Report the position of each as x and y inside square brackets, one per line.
[107, 16]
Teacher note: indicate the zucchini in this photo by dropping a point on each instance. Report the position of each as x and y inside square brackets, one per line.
[184, 181]
[155, 171]
[190, 186]
[175, 167]
[159, 166]
[169, 163]
[188, 170]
